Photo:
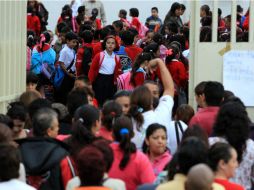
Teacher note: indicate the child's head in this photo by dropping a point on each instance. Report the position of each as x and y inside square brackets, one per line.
[118, 25]
[172, 53]
[171, 28]
[134, 12]
[184, 113]
[94, 14]
[31, 41]
[81, 10]
[122, 14]
[110, 44]
[158, 38]
[31, 81]
[154, 11]
[87, 36]
[199, 94]
[149, 36]
[156, 140]
[127, 37]
[153, 87]
[153, 48]
[205, 11]
[110, 111]
[123, 98]
[71, 39]
[135, 33]
[63, 32]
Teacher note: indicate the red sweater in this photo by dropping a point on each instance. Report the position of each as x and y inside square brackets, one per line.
[133, 51]
[135, 23]
[228, 185]
[97, 48]
[79, 58]
[33, 23]
[96, 64]
[139, 79]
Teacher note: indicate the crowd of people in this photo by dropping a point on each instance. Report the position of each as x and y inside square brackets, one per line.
[106, 107]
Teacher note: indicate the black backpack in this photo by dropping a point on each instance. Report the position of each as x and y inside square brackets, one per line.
[87, 59]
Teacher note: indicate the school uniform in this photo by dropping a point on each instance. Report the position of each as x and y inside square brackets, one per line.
[33, 23]
[140, 77]
[103, 73]
[133, 51]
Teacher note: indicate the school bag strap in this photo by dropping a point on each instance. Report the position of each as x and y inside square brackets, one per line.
[69, 67]
[178, 125]
[102, 55]
[71, 166]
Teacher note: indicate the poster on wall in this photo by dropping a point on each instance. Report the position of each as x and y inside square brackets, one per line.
[238, 74]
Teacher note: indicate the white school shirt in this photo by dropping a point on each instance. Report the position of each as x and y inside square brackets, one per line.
[162, 115]
[15, 184]
[66, 56]
[108, 64]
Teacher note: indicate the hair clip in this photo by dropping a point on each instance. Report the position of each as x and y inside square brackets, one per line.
[169, 52]
[42, 39]
[124, 131]
[81, 120]
[140, 110]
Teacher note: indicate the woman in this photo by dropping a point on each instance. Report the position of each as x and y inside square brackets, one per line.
[173, 16]
[232, 126]
[223, 161]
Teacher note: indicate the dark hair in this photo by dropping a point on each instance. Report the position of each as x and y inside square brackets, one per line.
[121, 93]
[205, 34]
[172, 27]
[123, 132]
[219, 12]
[219, 151]
[239, 9]
[5, 133]
[91, 166]
[44, 38]
[76, 98]
[31, 40]
[199, 89]
[104, 32]
[84, 119]
[103, 146]
[133, 31]
[183, 7]
[214, 92]
[64, 30]
[140, 104]
[227, 95]
[42, 121]
[158, 38]
[184, 113]
[149, 131]
[173, 8]
[192, 151]
[10, 162]
[17, 111]
[31, 78]
[155, 8]
[71, 36]
[196, 131]
[38, 104]
[87, 36]
[179, 40]
[123, 12]
[152, 48]
[60, 26]
[127, 37]
[232, 123]
[118, 24]
[110, 110]
[175, 51]
[134, 12]
[206, 21]
[141, 58]
[103, 45]
[206, 8]
[81, 9]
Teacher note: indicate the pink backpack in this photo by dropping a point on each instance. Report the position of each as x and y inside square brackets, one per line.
[123, 81]
[142, 30]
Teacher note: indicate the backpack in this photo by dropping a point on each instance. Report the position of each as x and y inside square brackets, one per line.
[87, 60]
[142, 30]
[123, 81]
[37, 181]
[125, 60]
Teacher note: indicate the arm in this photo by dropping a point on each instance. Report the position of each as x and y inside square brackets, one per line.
[166, 77]
[94, 68]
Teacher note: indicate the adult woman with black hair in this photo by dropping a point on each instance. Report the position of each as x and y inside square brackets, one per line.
[130, 165]
[232, 126]
[173, 16]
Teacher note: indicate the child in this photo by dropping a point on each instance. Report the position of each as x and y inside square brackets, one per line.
[139, 69]
[104, 70]
[66, 63]
[110, 111]
[123, 98]
[154, 22]
[122, 15]
[31, 81]
[96, 21]
[33, 21]
[135, 23]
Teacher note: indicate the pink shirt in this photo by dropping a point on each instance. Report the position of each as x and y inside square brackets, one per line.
[160, 162]
[205, 118]
[138, 171]
[106, 134]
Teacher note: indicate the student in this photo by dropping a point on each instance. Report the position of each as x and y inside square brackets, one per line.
[122, 15]
[152, 48]
[10, 165]
[141, 109]
[118, 26]
[213, 96]
[155, 147]
[154, 22]
[33, 21]
[110, 111]
[223, 161]
[104, 71]
[139, 70]
[96, 22]
[129, 164]
[123, 98]
[31, 81]
[66, 63]
[205, 11]
[135, 23]
[66, 16]
[199, 94]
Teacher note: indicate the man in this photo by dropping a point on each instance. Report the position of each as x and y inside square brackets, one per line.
[90, 5]
[213, 96]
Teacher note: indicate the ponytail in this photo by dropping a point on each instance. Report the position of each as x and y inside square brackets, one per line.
[172, 53]
[123, 133]
[44, 38]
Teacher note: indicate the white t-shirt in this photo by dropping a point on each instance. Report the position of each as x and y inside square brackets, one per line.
[66, 56]
[172, 140]
[162, 115]
[108, 64]
[15, 184]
